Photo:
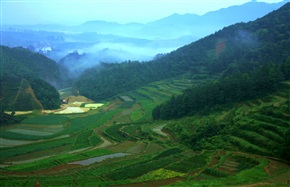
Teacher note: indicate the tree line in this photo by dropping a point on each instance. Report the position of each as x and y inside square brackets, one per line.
[238, 48]
[232, 89]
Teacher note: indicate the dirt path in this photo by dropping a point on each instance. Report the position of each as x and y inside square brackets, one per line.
[104, 144]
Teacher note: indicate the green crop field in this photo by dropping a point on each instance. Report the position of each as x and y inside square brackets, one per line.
[154, 153]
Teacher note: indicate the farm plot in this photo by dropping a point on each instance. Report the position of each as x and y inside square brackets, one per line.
[9, 152]
[9, 143]
[46, 120]
[86, 139]
[99, 159]
[31, 132]
[73, 110]
[93, 105]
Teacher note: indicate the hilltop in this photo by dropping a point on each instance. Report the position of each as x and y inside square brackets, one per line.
[23, 80]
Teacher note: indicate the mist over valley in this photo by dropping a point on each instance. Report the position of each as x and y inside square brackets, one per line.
[109, 42]
[101, 94]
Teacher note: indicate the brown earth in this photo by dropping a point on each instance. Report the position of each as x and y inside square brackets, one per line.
[41, 172]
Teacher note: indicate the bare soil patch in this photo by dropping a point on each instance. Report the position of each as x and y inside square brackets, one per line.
[122, 146]
[137, 148]
[275, 166]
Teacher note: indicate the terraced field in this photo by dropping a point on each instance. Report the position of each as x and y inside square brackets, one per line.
[119, 144]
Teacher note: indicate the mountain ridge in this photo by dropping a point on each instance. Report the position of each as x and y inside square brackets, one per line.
[243, 44]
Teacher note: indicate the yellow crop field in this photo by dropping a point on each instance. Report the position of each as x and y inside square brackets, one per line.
[72, 110]
[93, 105]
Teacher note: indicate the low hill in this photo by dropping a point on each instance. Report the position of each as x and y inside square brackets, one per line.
[21, 62]
[17, 93]
[23, 80]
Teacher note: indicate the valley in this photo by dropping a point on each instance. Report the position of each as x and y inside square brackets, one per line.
[119, 144]
[213, 112]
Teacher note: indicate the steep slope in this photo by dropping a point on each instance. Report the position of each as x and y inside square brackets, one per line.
[21, 62]
[16, 93]
[23, 85]
[240, 47]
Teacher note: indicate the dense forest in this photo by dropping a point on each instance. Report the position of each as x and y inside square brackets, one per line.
[235, 49]
[231, 89]
[23, 77]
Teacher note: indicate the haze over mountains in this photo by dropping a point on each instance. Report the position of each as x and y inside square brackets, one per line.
[215, 112]
[101, 41]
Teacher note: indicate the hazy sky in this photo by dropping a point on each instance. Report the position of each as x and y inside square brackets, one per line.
[74, 12]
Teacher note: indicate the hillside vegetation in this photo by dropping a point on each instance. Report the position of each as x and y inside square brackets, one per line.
[221, 148]
[238, 48]
[213, 113]
[23, 80]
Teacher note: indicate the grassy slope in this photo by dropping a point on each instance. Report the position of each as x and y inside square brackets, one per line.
[256, 126]
[154, 159]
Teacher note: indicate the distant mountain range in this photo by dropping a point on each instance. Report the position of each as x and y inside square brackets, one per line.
[200, 26]
[100, 41]
[173, 26]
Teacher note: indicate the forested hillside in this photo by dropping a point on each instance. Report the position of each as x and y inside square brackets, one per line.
[21, 62]
[23, 80]
[227, 90]
[238, 48]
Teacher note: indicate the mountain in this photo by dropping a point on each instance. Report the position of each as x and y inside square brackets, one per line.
[24, 80]
[131, 41]
[21, 62]
[238, 48]
[105, 27]
[199, 26]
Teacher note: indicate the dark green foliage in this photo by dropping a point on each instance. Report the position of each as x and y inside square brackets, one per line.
[7, 119]
[190, 164]
[240, 87]
[216, 173]
[46, 94]
[17, 94]
[19, 66]
[285, 149]
[238, 48]
[167, 153]
[138, 169]
[20, 62]
[25, 149]
[47, 120]
[114, 133]
[285, 68]
[245, 162]
[94, 140]
[82, 140]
